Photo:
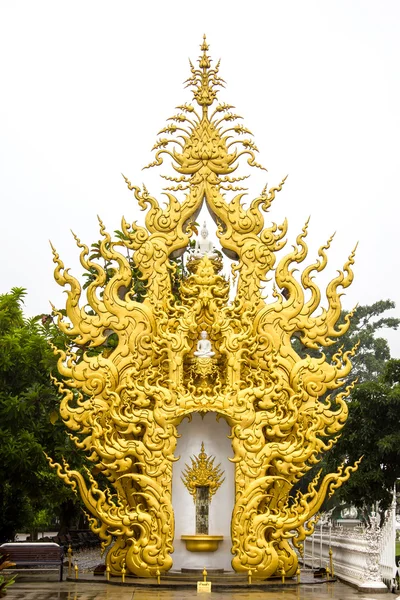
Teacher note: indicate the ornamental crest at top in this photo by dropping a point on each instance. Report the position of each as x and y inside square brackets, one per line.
[205, 144]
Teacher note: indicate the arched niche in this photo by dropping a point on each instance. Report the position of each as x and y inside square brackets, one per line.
[214, 434]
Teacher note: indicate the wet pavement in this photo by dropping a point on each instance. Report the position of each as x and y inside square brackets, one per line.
[87, 560]
[46, 587]
[102, 591]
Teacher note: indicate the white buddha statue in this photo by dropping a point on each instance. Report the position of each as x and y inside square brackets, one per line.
[204, 348]
[204, 246]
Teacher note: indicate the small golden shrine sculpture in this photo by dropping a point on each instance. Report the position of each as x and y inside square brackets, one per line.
[202, 473]
[123, 404]
[202, 479]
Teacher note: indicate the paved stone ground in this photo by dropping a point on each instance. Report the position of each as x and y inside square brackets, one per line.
[95, 591]
[92, 590]
[87, 560]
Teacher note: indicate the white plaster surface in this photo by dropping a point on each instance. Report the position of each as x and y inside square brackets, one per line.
[214, 435]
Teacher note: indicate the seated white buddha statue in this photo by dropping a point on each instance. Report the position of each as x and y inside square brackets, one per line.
[204, 246]
[204, 348]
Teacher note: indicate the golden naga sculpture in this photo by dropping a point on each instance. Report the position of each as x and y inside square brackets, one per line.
[123, 405]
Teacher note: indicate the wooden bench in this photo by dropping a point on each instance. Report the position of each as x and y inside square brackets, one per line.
[34, 554]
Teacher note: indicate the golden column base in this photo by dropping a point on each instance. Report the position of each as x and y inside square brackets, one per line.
[202, 543]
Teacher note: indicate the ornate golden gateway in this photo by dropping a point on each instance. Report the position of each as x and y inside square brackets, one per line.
[124, 406]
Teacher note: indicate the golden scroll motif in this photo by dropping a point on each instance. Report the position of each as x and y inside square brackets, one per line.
[123, 404]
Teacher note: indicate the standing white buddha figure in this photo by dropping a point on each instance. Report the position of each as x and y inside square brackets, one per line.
[204, 348]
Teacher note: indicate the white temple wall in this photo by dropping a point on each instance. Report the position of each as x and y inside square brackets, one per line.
[214, 435]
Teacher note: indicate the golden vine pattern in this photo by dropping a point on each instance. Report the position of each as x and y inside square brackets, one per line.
[123, 406]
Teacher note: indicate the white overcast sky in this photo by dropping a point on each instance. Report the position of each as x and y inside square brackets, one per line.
[86, 86]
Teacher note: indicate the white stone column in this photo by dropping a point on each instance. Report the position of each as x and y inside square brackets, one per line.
[372, 580]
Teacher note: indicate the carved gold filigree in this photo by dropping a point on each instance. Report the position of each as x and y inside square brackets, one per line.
[123, 404]
[203, 366]
[202, 472]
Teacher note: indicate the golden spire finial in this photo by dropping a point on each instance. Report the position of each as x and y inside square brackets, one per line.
[205, 60]
[204, 142]
[205, 80]
[202, 454]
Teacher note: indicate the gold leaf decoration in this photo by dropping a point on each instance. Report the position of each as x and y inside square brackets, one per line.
[123, 403]
[202, 473]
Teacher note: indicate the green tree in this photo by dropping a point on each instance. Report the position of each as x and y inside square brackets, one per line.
[373, 351]
[366, 432]
[372, 431]
[28, 423]
[374, 412]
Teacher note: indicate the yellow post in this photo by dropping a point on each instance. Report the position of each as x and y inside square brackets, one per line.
[283, 574]
[158, 576]
[123, 572]
[249, 576]
[331, 562]
[76, 568]
[69, 552]
[204, 574]
[298, 574]
[108, 572]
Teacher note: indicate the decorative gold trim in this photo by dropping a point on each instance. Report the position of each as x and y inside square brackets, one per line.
[124, 402]
[202, 543]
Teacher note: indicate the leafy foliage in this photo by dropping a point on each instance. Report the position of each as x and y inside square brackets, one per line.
[138, 286]
[373, 351]
[27, 401]
[372, 428]
[372, 431]
[5, 582]
[138, 290]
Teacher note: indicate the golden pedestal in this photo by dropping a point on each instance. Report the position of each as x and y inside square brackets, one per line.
[202, 543]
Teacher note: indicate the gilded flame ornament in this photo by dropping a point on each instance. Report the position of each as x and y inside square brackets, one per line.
[123, 405]
[202, 473]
